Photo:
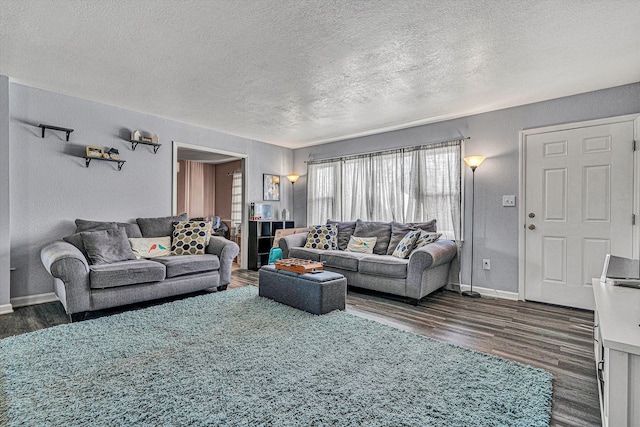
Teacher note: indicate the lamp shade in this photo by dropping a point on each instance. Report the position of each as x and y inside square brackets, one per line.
[293, 178]
[474, 161]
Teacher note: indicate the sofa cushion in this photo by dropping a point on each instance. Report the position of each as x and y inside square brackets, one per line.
[362, 245]
[380, 230]
[341, 259]
[384, 265]
[306, 253]
[398, 231]
[151, 247]
[159, 227]
[426, 226]
[107, 246]
[345, 230]
[125, 273]
[179, 265]
[322, 237]
[86, 225]
[406, 245]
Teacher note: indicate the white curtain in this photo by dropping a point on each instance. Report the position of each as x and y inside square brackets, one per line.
[408, 185]
[236, 199]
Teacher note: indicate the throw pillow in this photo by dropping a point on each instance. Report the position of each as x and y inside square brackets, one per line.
[322, 237]
[151, 247]
[404, 248]
[380, 230]
[190, 237]
[107, 246]
[76, 238]
[426, 238]
[203, 225]
[159, 227]
[363, 245]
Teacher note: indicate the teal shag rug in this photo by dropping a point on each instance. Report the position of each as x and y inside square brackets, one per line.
[234, 359]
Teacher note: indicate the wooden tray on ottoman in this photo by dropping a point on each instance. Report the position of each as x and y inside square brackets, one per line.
[300, 266]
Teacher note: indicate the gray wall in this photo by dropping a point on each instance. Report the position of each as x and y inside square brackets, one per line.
[4, 194]
[496, 136]
[50, 185]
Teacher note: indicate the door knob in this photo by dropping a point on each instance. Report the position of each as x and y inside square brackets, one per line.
[532, 215]
[532, 227]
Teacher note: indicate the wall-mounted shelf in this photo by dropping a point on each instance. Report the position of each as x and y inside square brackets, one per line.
[134, 144]
[67, 130]
[88, 159]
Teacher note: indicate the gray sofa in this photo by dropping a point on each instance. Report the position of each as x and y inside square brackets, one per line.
[426, 269]
[82, 286]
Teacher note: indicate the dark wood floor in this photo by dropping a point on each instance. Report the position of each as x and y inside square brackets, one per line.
[556, 339]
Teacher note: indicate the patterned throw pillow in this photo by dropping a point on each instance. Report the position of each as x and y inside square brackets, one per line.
[190, 237]
[426, 237]
[404, 248]
[206, 225]
[151, 247]
[362, 245]
[322, 237]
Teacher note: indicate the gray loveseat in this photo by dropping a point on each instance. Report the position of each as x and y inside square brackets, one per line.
[82, 286]
[426, 269]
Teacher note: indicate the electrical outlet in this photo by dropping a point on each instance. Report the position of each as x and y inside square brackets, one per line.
[508, 201]
[486, 264]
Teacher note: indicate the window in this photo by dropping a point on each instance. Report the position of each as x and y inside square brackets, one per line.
[408, 185]
[236, 199]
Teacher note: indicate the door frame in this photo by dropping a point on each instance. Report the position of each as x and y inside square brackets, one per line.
[174, 187]
[522, 215]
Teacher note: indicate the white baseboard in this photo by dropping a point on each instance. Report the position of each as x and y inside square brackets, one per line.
[485, 292]
[6, 309]
[33, 299]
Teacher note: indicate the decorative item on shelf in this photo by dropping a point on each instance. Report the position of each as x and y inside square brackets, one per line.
[138, 138]
[285, 214]
[261, 211]
[93, 151]
[473, 162]
[114, 154]
[105, 156]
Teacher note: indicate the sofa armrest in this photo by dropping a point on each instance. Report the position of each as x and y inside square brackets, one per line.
[70, 269]
[428, 268]
[292, 241]
[433, 254]
[226, 251]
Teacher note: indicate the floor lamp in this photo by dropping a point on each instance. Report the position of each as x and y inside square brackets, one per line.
[292, 179]
[473, 162]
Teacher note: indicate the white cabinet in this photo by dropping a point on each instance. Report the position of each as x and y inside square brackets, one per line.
[617, 353]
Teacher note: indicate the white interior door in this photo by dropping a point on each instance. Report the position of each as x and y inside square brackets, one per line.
[579, 196]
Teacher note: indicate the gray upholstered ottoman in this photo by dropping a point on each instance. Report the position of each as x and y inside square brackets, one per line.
[317, 293]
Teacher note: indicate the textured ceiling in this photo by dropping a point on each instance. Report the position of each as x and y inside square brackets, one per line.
[297, 73]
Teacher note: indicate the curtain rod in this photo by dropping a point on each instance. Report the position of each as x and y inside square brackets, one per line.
[413, 147]
[235, 171]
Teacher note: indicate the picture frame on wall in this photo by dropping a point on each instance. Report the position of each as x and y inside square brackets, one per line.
[271, 187]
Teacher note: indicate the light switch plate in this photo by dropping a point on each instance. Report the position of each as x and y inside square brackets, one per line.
[508, 201]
